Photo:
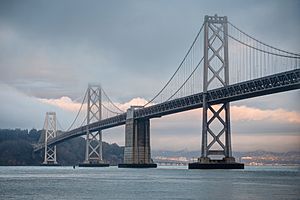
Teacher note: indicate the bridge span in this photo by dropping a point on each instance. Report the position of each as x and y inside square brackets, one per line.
[276, 83]
[203, 79]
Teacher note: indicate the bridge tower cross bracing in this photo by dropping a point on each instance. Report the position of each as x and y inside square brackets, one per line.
[50, 132]
[93, 153]
[215, 141]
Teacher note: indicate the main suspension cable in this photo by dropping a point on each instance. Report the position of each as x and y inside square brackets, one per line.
[111, 102]
[111, 110]
[78, 111]
[295, 54]
[186, 80]
[186, 55]
[255, 48]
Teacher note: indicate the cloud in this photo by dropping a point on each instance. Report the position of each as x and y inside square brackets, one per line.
[244, 113]
[64, 47]
[64, 103]
[239, 113]
[252, 129]
[138, 101]
[18, 110]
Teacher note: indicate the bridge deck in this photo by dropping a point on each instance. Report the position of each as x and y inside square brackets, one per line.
[281, 82]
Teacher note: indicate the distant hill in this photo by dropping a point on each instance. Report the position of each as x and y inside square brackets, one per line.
[258, 157]
[16, 149]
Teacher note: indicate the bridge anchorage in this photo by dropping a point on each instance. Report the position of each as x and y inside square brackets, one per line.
[93, 151]
[49, 133]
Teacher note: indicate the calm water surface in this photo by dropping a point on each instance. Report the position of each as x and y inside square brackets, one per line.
[163, 183]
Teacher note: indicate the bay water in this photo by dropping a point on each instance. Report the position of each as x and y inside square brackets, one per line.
[170, 182]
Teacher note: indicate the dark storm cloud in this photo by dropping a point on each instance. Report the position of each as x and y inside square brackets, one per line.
[119, 43]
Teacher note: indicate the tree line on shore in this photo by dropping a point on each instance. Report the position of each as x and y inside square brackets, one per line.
[16, 148]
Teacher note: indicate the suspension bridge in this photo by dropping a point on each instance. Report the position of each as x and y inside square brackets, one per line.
[222, 65]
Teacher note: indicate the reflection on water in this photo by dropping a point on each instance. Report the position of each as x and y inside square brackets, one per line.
[162, 183]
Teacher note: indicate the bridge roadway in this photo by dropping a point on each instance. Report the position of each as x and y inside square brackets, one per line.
[281, 82]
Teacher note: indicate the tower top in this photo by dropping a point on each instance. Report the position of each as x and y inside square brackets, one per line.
[215, 19]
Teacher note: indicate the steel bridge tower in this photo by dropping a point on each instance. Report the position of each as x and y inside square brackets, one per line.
[50, 132]
[216, 132]
[93, 151]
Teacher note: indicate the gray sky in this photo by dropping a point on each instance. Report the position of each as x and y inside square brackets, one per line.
[51, 49]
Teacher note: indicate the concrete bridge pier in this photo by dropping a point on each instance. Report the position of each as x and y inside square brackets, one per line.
[137, 152]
